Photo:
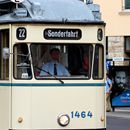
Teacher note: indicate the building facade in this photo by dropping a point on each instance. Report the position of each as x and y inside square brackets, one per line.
[116, 14]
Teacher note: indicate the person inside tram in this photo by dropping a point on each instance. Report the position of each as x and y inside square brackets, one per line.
[85, 65]
[54, 67]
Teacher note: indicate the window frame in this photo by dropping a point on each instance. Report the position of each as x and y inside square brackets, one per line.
[74, 77]
[127, 7]
[127, 44]
[100, 65]
[124, 8]
[15, 63]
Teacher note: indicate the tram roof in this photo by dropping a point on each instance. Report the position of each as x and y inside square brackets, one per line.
[46, 11]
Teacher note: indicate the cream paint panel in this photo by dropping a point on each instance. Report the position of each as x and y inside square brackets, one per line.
[5, 106]
[49, 103]
[117, 21]
[4, 26]
[21, 107]
[35, 33]
[100, 101]
[40, 106]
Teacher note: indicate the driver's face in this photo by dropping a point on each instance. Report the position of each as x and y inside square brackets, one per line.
[120, 78]
[55, 55]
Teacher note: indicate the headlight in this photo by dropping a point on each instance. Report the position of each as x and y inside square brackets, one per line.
[63, 119]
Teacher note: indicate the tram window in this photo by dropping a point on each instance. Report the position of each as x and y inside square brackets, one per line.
[77, 59]
[98, 62]
[4, 63]
[22, 67]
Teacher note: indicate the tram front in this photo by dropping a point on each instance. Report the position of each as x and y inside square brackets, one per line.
[56, 65]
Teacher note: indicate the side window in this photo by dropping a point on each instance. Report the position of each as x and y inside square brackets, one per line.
[98, 68]
[22, 67]
[127, 43]
[4, 63]
[80, 59]
[127, 4]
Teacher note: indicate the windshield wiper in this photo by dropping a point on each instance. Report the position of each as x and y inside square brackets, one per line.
[49, 74]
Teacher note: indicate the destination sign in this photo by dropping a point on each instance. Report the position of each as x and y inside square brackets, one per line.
[62, 34]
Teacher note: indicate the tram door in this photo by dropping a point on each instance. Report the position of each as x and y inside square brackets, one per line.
[4, 59]
[5, 82]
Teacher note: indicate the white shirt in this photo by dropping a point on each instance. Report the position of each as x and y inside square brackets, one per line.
[49, 67]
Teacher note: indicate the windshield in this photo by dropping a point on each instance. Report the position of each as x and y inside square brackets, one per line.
[57, 60]
[69, 60]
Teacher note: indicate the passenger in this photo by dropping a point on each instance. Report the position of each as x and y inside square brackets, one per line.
[85, 63]
[54, 67]
[85, 66]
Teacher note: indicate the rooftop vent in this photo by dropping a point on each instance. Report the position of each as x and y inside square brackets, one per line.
[20, 12]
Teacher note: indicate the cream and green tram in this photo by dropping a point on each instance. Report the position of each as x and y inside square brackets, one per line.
[31, 101]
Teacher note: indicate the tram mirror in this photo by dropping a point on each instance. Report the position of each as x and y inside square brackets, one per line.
[5, 53]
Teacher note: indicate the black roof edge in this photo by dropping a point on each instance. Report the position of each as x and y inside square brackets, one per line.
[3, 2]
[56, 22]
